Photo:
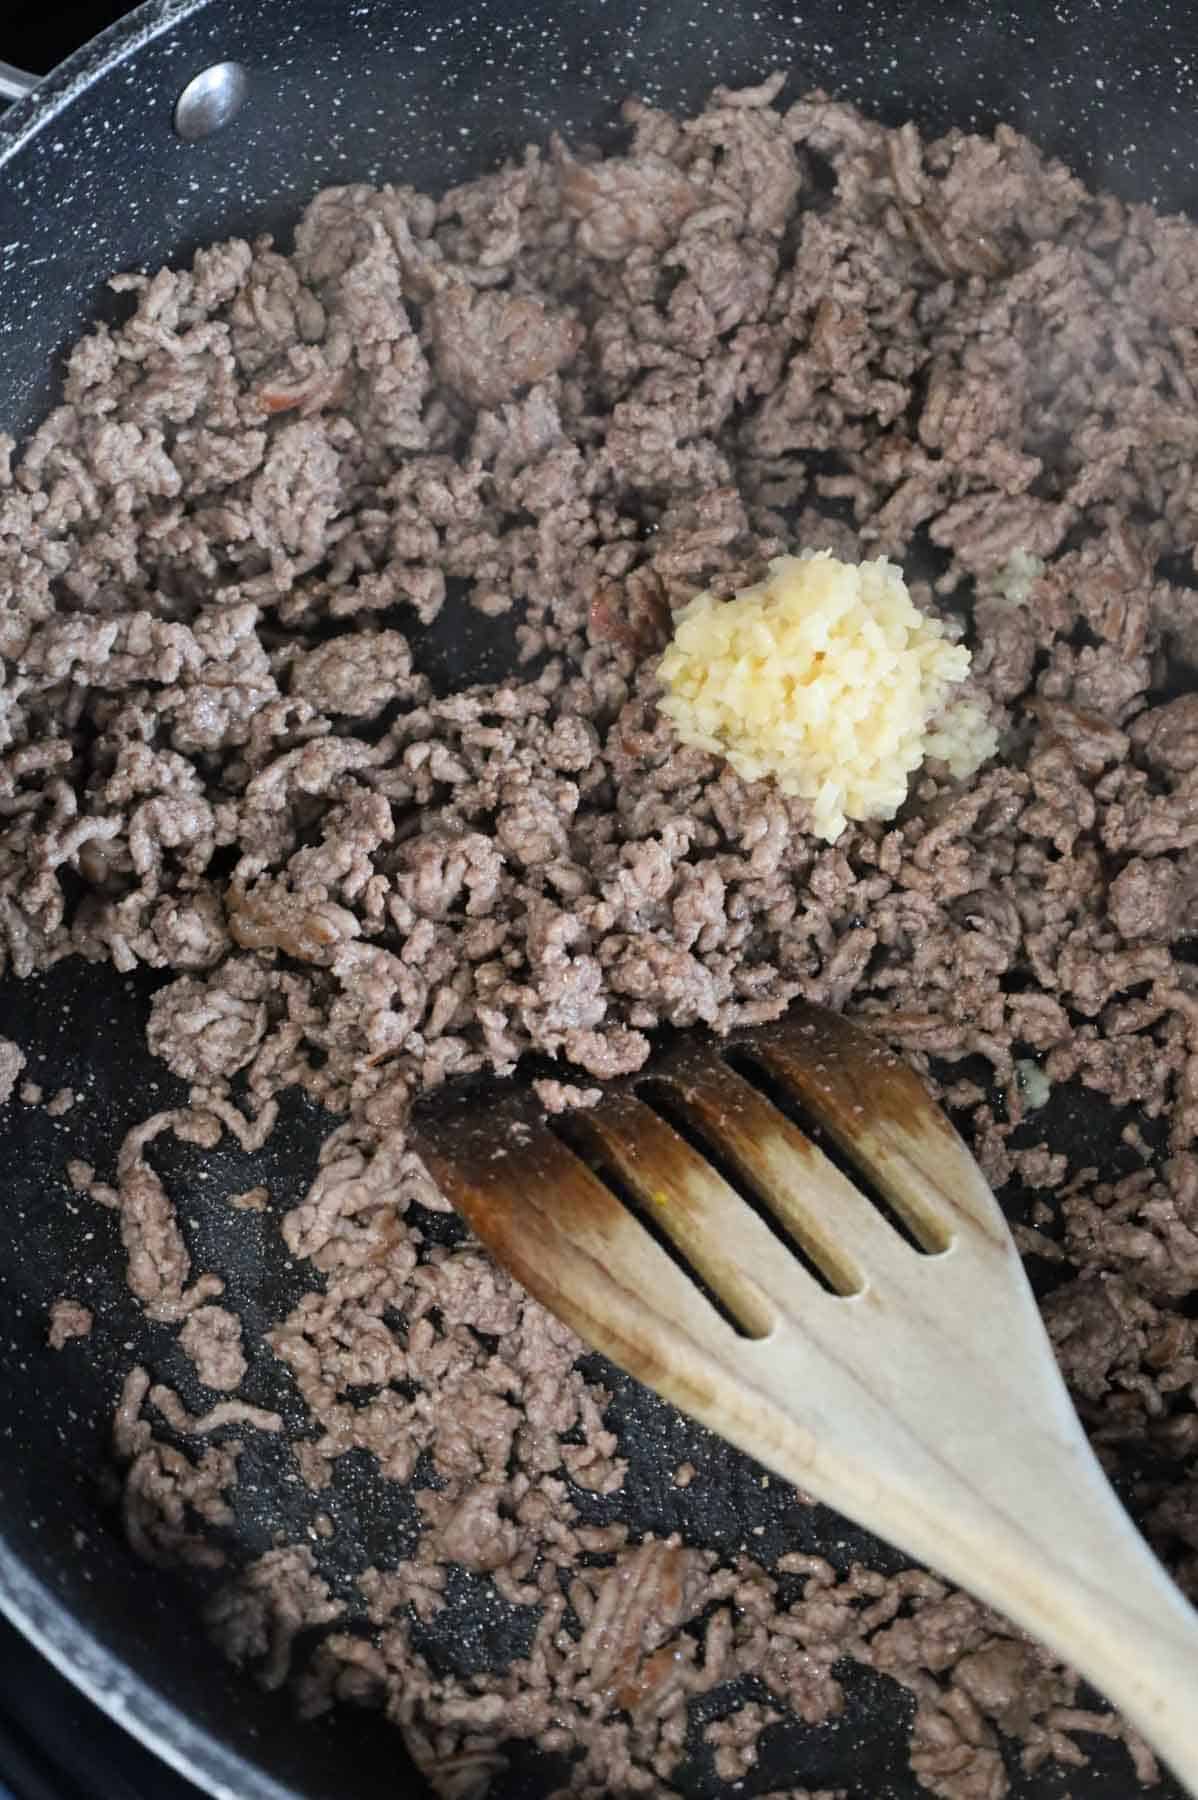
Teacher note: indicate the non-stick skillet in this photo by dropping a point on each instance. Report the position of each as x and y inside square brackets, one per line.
[94, 178]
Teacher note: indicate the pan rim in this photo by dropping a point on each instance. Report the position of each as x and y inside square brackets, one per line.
[128, 1699]
[71, 78]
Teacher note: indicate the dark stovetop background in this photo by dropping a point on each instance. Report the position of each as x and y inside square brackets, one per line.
[36, 37]
[54, 1745]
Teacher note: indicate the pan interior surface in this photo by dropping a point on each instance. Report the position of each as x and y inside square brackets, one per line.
[94, 180]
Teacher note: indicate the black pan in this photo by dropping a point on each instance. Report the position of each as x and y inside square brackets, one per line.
[94, 179]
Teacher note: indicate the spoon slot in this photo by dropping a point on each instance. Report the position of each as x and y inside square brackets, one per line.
[926, 1235]
[797, 1229]
[650, 1182]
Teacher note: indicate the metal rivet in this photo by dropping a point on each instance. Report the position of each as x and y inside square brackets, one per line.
[210, 100]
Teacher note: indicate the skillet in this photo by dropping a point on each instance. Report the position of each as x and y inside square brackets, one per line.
[93, 178]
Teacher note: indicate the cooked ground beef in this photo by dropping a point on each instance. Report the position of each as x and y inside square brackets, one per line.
[574, 392]
[255, 1199]
[68, 1319]
[12, 1061]
[211, 1337]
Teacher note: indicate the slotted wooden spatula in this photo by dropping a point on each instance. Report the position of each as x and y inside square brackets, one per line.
[895, 1367]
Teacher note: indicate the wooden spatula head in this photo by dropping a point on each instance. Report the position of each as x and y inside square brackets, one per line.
[578, 1205]
[784, 1235]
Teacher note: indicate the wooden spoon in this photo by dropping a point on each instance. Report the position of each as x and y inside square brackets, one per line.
[888, 1358]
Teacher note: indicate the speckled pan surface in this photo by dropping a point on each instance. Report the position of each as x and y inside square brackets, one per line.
[93, 179]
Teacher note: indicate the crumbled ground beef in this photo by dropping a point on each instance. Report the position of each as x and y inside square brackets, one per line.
[68, 1319]
[12, 1061]
[158, 1260]
[560, 1096]
[255, 1199]
[211, 1336]
[575, 391]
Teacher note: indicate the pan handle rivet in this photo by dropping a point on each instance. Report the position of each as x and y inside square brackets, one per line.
[210, 100]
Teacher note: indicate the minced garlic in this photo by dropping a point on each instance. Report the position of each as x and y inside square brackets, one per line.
[828, 678]
[1034, 1084]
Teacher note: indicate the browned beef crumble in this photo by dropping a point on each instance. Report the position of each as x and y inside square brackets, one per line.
[211, 1337]
[255, 1199]
[576, 390]
[12, 1061]
[68, 1319]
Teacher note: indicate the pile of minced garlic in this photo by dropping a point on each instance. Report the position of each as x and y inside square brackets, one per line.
[828, 678]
